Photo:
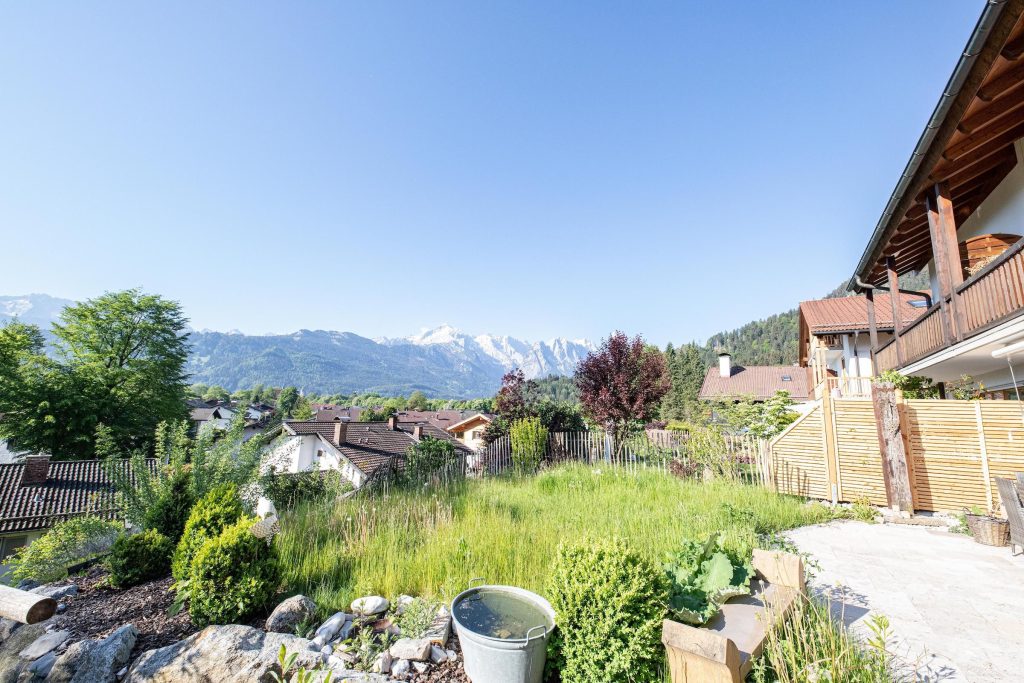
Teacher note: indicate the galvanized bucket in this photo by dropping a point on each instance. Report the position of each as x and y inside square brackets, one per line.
[504, 660]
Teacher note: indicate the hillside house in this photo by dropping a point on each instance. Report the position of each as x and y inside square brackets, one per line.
[37, 493]
[207, 417]
[470, 431]
[958, 208]
[356, 449]
[731, 382]
[835, 338]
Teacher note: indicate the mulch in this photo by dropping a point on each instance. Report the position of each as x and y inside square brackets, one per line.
[449, 672]
[99, 609]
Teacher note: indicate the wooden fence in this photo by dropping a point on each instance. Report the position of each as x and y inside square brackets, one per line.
[662, 450]
[955, 450]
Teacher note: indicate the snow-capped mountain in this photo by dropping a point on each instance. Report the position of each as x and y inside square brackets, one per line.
[37, 309]
[537, 359]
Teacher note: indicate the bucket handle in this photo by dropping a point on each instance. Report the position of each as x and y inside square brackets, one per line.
[478, 578]
[542, 627]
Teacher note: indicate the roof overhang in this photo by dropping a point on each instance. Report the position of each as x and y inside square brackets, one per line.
[986, 86]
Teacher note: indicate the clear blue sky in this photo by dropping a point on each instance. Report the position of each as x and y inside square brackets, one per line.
[543, 169]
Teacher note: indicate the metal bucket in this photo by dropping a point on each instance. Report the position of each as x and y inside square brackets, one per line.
[504, 660]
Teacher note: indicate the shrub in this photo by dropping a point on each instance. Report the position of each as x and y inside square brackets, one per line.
[428, 458]
[170, 508]
[67, 543]
[233, 575]
[529, 441]
[610, 603]
[217, 510]
[288, 489]
[140, 558]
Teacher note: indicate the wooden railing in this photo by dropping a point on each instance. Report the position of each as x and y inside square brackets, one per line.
[988, 298]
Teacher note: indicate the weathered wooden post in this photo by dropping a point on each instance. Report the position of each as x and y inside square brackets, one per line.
[25, 607]
[895, 471]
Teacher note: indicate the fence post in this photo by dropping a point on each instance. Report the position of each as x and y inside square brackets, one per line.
[890, 443]
[831, 459]
[984, 456]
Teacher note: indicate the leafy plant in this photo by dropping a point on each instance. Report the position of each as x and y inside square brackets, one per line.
[232, 576]
[288, 489]
[139, 558]
[171, 506]
[286, 662]
[529, 440]
[67, 543]
[427, 458]
[702, 577]
[610, 602]
[912, 387]
[416, 617]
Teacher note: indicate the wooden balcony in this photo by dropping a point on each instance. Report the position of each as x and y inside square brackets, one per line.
[989, 298]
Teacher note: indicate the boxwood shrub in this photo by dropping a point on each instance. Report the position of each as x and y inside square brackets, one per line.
[217, 510]
[233, 576]
[610, 603]
[169, 512]
[140, 558]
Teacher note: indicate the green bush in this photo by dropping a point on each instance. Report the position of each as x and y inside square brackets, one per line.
[610, 603]
[529, 441]
[217, 510]
[140, 558]
[67, 543]
[288, 489]
[428, 458]
[170, 508]
[233, 576]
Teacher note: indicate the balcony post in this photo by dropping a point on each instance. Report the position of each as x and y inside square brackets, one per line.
[894, 299]
[942, 230]
[872, 329]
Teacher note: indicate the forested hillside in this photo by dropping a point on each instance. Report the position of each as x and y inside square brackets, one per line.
[773, 340]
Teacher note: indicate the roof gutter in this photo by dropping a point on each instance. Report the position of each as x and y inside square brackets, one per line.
[989, 16]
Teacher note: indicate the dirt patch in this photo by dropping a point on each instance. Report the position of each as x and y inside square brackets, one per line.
[98, 610]
[449, 672]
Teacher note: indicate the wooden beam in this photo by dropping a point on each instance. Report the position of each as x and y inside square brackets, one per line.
[872, 329]
[1001, 83]
[895, 472]
[1004, 105]
[24, 607]
[980, 137]
[1014, 48]
[894, 298]
[942, 230]
[979, 160]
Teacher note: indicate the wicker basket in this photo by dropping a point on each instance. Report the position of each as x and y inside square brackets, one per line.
[988, 530]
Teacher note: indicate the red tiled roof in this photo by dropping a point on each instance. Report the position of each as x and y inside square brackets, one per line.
[368, 445]
[73, 487]
[849, 313]
[759, 382]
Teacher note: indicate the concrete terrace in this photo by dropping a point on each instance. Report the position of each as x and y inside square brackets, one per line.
[956, 606]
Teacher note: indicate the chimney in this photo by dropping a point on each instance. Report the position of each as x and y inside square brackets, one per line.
[35, 471]
[724, 365]
[417, 432]
[393, 423]
[340, 432]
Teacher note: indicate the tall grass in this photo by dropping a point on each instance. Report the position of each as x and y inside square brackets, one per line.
[507, 530]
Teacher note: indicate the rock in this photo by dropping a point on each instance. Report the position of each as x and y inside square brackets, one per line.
[437, 655]
[346, 630]
[382, 664]
[421, 667]
[417, 649]
[57, 592]
[371, 604]
[441, 628]
[400, 667]
[11, 665]
[95, 660]
[41, 667]
[329, 629]
[7, 628]
[452, 654]
[339, 676]
[44, 643]
[326, 650]
[27, 584]
[403, 601]
[225, 654]
[290, 613]
[61, 606]
[122, 672]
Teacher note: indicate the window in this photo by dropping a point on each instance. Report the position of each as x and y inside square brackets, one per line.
[787, 378]
[11, 543]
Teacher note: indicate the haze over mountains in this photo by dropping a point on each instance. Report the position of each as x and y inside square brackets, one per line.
[440, 362]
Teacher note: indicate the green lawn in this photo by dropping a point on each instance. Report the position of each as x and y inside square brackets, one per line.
[507, 530]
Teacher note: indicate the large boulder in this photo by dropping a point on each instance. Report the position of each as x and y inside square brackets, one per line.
[56, 592]
[290, 613]
[220, 654]
[370, 605]
[11, 662]
[95, 660]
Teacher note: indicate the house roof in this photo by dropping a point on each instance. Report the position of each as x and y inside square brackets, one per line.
[204, 414]
[368, 445]
[328, 413]
[439, 418]
[759, 382]
[850, 313]
[470, 421]
[73, 487]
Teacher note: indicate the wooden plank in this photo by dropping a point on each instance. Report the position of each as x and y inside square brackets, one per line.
[890, 442]
[1004, 105]
[984, 457]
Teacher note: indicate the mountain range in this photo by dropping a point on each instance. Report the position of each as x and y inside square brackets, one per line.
[442, 362]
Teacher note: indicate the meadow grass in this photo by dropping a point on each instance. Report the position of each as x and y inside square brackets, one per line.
[433, 542]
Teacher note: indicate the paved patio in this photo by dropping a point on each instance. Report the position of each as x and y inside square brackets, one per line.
[956, 606]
